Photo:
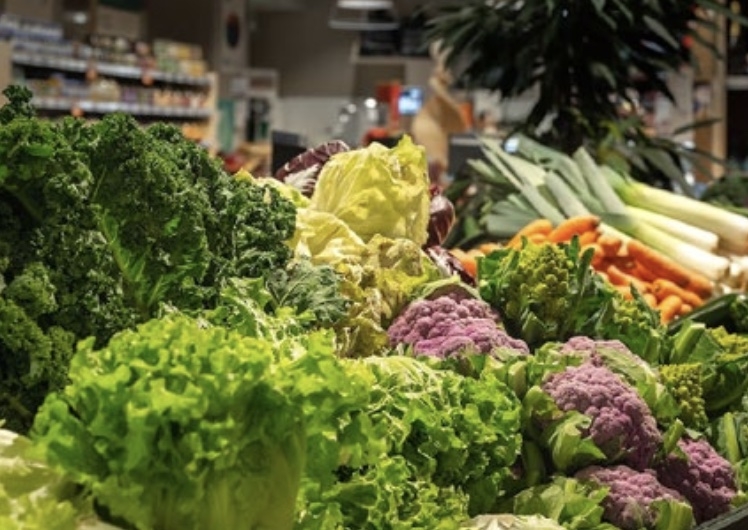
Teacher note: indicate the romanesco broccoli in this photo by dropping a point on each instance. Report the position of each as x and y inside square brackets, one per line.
[543, 292]
[684, 383]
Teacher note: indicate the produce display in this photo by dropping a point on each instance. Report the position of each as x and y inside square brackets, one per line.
[636, 229]
[185, 349]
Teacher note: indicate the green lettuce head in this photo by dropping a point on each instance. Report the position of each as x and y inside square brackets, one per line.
[378, 190]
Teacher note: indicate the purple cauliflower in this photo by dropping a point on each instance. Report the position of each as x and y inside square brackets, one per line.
[594, 347]
[703, 477]
[450, 324]
[631, 493]
[622, 425]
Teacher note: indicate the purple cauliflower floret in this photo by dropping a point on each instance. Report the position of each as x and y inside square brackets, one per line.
[622, 425]
[586, 345]
[704, 477]
[631, 493]
[450, 324]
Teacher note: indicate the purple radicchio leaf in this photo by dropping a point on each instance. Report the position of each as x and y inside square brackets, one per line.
[303, 170]
[441, 217]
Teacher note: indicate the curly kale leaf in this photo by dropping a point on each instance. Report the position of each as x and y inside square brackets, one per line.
[104, 225]
[32, 364]
[19, 104]
[309, 289]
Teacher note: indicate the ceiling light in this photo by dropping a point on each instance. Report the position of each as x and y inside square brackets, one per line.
[366, 5]
[357, 15]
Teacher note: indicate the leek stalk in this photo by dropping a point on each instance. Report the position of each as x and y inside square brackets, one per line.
[675, 227]
[714, 267]
[731, 228]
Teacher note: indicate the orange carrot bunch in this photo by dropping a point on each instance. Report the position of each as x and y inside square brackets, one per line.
[666, 285]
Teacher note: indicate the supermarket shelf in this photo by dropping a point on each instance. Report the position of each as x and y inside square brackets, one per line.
[736, 82]
[106, 107]
[68, 64]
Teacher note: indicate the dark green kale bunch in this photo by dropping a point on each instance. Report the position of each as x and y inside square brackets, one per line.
[104, 225]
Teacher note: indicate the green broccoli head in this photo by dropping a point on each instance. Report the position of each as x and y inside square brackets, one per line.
[684, 381]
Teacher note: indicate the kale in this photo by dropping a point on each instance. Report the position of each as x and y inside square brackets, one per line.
[106, 225]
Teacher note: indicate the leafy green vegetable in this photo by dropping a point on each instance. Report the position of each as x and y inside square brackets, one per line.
[507, 521]
[179, 426]
[104, 224]
[568, 501]
[377, 190]
[309, 289]
[33, 496]
[444, 436]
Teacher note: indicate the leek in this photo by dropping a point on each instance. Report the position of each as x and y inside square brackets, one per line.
[714, 267]
[729, 226]
[598, 183]
[552, 160]
[508, 166]
[567, 200]
[675, 227]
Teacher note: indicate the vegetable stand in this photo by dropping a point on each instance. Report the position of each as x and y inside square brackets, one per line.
[181, 348]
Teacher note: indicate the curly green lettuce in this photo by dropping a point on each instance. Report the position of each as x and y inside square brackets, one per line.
[177, 425]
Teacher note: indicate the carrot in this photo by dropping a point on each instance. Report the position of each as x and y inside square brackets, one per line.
[685, 309]
[537, 238]
[538, 226]
[618, 277]
[597, 254]
[662, 287]
[588, 237]
[662, 266]
[467, 261]
[573, 226]
[701, 285]
[641, 272]
[610, 243]
[487, 248]
[650, 299]
[669, 307]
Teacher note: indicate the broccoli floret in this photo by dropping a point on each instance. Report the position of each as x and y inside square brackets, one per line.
[702, 476]
[622, 425]
[632, 495]
[684, 383]
[448, 325]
